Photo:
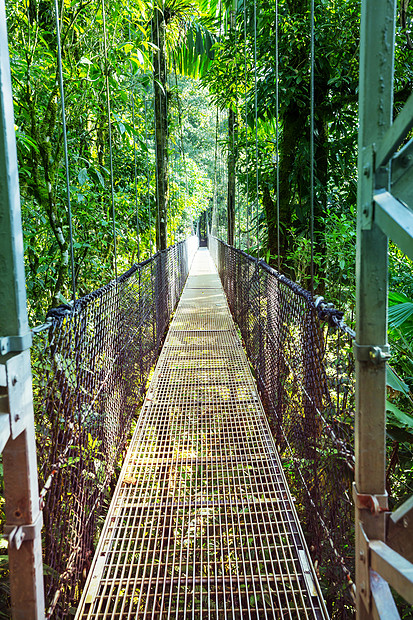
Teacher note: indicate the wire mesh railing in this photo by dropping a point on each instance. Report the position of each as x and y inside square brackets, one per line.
[91, 367]
[202, 524]
[305, 379]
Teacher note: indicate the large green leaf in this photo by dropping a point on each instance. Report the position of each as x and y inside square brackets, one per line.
[401, 435]
[394, 381]
[404, 419]
[195, 53]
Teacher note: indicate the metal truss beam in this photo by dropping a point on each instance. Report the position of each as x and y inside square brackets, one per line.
[385, 181]
[17, 436]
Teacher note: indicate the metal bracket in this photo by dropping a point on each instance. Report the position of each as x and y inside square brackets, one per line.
[15, 344]
[376, 504]
[371, 353]
[16, 534]
[368, 167]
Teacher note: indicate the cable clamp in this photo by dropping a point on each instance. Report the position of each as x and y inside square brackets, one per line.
[376, 504]
[371, 353]
[16, 534]
[15, 344]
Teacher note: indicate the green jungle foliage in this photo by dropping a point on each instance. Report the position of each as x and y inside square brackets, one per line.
[210, 69]
[39, 135]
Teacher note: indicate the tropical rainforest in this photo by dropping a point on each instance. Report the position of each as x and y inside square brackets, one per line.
[183, 115]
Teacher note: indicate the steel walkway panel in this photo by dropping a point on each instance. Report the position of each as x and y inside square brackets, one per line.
[202, 523]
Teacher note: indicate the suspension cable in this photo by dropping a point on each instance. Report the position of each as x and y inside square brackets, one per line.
[256, 126]
[148, 176]
[224, 172]
[62, 99]
[219, 176]
[222, 30]
[246, 125]
[235, 141]
[174, 187]
[168, 202]
[277, 150]
[112, 189]
[157, 155]
[134, 157]
[215, 203]
[182, 133]
[312, 145]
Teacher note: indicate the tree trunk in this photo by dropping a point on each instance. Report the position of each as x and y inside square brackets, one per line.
[294, 121]
[231, 177]
[232, 148]
[294, 184]
[161, 128]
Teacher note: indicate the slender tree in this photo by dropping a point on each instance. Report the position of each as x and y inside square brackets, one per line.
[158, 27]
[232, 148]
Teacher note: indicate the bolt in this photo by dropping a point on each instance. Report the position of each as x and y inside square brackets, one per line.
[16, 417]
[377, 355]
[14, 380]
[374, 354]
[405, 522]
[365, 211]
[362, 556]
[363, 587]
[366, 170]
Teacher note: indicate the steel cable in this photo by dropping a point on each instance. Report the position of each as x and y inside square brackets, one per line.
[148, 176]
[312, 144]
[235, 132]
[246, 125]
[157, 225]
[215, 205]
[182, 136]
[256, 128]
[168, 201]
[109, 114]
[134, 156]
[277, 152]
[62, 99]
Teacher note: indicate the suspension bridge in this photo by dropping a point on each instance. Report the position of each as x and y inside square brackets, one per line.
[202, 522]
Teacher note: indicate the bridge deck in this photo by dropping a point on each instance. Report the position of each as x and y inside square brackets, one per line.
[202, 523]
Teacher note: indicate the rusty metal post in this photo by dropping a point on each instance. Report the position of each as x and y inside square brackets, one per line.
[23, 517]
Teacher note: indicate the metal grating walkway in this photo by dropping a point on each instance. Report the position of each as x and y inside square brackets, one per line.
[202, 523]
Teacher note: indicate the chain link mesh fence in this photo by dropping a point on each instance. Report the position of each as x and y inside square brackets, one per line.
[91, 367]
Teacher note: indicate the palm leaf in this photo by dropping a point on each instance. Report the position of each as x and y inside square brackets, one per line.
[195, 53]
[400, 313]
[397, 298]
